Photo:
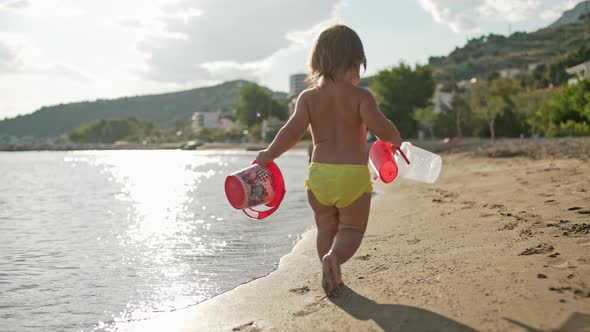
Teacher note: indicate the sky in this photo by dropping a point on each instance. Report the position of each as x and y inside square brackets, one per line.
[60, 51]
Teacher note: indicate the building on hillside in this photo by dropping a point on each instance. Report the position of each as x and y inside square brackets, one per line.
[581, 72]
[297, 84]
[466, 84]
[441, 99]
[213, 120]
[531, 67]
[509, 72]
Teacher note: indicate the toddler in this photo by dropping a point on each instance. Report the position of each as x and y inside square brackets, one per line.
[338, 184]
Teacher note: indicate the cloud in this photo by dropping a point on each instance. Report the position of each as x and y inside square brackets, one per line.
[510, 10]
[202, 39]
[458, 15]
[14, 5]
[42, 8]
[10, 60]
[19, 56]
[553, 13]
[466, 15]
[66, 72]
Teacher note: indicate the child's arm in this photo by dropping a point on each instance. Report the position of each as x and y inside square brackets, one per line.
[377, 123]
[289, 135]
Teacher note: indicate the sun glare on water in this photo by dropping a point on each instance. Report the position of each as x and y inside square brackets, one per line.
[163, 231]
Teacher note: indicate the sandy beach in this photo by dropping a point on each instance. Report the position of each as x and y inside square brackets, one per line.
[500, 243]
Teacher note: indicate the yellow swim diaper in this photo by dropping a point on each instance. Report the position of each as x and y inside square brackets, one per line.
[338, 185]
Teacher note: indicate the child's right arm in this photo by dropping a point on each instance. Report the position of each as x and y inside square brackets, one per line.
[376, 121]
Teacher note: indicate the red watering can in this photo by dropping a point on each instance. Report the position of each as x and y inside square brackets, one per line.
[256, 185]
[381, 158]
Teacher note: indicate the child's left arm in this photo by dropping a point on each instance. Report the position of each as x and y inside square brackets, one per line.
[289, 135]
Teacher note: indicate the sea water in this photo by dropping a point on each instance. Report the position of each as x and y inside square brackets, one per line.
[92, 238]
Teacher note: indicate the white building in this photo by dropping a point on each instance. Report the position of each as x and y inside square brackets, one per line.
[441, 99]
[509, 72]
[213, 120]
[581, 72]
[297, 84]
[533, 66]
[466, 84]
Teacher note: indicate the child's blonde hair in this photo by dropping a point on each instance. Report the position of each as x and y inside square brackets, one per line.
[336, 48]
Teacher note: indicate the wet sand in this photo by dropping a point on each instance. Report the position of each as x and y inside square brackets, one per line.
[497, 244]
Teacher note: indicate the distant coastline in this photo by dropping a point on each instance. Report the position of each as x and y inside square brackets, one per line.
[136, 146]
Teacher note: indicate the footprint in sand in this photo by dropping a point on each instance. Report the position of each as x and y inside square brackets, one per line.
[542, 248]
[578, 292]
[379, 268]
[508, 227]
[300, 290]
[525, 233]
[248, 327]
[574, 208]
[364, 257]
[577, 229]
[587, 212]
[414, 241]
[311, 308]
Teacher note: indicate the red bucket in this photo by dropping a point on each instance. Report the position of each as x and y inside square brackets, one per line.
[381, 158]
[256, 185]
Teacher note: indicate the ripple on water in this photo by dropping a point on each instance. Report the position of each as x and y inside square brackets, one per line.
[110, 236]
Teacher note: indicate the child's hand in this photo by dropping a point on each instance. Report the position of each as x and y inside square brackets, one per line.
[263, 157]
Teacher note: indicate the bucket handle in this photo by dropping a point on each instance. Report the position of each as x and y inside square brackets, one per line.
[261, 214]
[396, 149]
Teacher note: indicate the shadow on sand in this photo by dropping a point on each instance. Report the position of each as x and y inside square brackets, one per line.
[395, 317]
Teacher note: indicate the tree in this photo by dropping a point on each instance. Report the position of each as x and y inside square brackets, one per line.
[567, 111]
[110, 131]
[479, 100]
[531, 104]
[257, 103]
[426, 118]
[461, 109]
[400, 90]
[490, 100]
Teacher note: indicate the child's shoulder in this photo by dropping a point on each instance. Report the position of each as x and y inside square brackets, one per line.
[359, 94]
[349, 90]
[362, 92]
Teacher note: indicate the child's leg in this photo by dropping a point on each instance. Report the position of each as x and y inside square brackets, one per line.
[352, 225]
[351, 229]
[326, 219]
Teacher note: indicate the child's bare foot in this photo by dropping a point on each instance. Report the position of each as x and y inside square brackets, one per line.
[331, 277]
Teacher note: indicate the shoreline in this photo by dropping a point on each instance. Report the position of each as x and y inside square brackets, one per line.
[535, 148]
[451, 257]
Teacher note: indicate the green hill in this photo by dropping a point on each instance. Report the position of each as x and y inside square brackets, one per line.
[581, 11]
[488, 54]
[162, 109]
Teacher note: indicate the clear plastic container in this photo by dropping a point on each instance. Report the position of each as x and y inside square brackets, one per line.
[424, 166]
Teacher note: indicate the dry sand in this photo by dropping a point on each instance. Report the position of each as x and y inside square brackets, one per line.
[497, 244]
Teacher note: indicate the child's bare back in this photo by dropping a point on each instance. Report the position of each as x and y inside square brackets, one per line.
[339, 113]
